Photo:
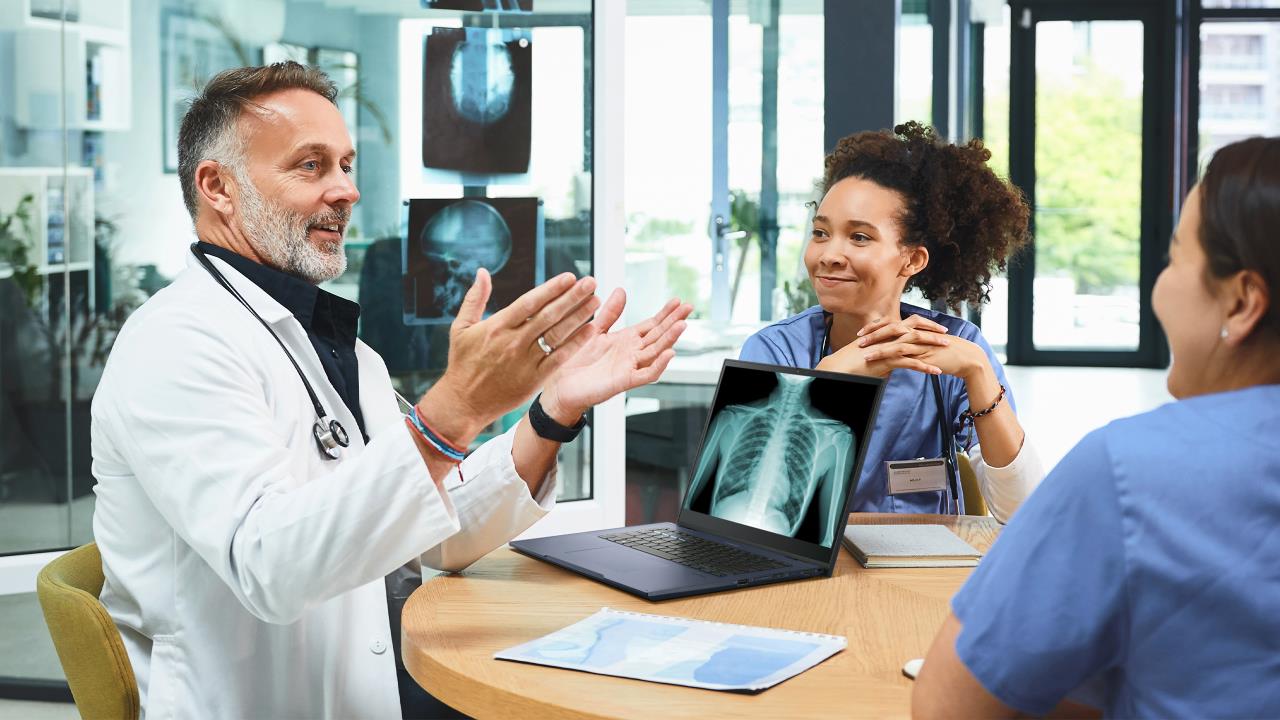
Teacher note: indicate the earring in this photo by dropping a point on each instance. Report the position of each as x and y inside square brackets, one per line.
[1223, 333]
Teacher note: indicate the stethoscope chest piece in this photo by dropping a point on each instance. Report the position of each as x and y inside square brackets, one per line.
[330, 439]
[330, 436]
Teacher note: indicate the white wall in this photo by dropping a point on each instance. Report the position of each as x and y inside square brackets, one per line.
[144, 201]
[1058, 406]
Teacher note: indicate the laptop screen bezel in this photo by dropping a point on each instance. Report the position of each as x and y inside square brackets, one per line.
[780, 543]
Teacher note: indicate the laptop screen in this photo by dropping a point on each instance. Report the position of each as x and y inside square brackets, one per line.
[781, 451]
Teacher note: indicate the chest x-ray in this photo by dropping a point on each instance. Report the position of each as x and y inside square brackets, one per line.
[776, 462]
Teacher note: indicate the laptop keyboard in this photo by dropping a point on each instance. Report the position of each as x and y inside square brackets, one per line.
[704, 555]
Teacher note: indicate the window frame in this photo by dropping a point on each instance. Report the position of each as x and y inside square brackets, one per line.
[1195, 15]
[1161, 115]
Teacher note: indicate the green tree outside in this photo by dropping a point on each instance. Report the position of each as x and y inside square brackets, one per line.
[682, 279]
[1088, 182]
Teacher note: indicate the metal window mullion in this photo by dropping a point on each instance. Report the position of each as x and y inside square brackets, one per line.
[940, 22]
[719, 161]
[768, 217]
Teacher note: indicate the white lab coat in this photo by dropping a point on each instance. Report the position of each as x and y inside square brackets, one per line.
[244, 571]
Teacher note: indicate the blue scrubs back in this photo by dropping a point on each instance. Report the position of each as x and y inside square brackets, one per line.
[1143, 575]
[907, 426]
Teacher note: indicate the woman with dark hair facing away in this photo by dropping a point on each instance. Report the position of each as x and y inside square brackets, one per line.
[904, 210]
[1143, 576]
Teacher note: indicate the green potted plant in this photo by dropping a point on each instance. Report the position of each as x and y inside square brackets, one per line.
[26, 470]
[52, 357]
[15, 248]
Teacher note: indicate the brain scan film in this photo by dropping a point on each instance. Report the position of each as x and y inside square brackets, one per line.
[450, 239]
[459, 240]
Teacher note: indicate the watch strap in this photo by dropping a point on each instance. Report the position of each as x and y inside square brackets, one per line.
[546, 427]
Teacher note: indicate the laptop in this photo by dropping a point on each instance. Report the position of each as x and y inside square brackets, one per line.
[767, 497]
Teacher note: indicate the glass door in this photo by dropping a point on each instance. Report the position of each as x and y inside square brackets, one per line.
[723, 146]
[1088, 149]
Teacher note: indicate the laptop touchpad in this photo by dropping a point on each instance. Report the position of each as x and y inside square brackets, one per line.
[614, 560]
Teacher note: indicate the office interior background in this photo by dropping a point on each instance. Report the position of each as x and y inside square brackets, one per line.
[674, 146]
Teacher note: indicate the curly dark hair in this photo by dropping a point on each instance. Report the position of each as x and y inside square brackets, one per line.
[969, 219]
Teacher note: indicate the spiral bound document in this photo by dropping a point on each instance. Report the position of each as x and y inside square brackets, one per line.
[679, 651]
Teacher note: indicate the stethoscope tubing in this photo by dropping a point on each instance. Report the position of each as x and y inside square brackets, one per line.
[329, 435]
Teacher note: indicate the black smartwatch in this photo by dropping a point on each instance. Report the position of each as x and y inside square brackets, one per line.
[546, 427]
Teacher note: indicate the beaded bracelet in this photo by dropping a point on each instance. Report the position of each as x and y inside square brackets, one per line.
[971, 415]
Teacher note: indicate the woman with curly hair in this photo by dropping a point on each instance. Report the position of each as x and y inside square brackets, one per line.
[906, 210]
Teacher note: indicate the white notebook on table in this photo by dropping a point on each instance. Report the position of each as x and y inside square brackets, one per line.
[887, 546]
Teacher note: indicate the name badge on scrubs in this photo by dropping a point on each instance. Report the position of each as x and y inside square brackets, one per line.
[912, 476]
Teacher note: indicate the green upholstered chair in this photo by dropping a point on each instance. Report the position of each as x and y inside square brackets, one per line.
[88, 642]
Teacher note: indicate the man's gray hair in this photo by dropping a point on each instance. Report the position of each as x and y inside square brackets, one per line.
[209, 130]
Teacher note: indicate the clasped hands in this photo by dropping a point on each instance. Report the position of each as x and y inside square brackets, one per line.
[914, 343]
[497, 363]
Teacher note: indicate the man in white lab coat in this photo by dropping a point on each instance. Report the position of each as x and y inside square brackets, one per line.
[244, 562]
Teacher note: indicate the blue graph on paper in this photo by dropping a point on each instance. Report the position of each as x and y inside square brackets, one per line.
[678, 651]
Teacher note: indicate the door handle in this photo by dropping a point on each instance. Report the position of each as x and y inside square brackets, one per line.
[723, 231]
[724, 236]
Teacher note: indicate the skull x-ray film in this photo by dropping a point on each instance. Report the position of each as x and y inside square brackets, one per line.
[780, 451]
[477, 90]
[449, 239]
[501, 5]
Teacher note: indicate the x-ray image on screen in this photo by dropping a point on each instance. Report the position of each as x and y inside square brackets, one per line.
[448, 240]
[502, 5]
[476, 100]
[779, 452]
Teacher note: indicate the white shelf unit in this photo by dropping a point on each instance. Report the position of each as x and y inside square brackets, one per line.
[103, 14]
[97, 88]
[62, 204]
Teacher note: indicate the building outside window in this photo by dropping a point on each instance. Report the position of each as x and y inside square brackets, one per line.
[1239, 81]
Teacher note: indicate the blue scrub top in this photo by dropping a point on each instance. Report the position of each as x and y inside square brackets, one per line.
[907, 426]
[1143, 575]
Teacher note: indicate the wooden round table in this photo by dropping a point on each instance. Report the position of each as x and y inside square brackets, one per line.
[454, 624]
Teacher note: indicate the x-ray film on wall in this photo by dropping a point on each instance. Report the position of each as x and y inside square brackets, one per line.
[450, 238]
[499, 5]
[779, 452]
[477, 90]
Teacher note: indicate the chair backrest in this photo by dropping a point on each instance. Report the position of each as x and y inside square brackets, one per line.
[974, 503]
[88, 642]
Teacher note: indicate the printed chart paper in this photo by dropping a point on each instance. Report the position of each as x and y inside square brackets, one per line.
[679, 651]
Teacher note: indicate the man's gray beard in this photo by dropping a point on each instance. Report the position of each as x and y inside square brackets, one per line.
[279, 235]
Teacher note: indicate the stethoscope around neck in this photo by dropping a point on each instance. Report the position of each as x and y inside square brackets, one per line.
[948, 440]
[330, 436]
